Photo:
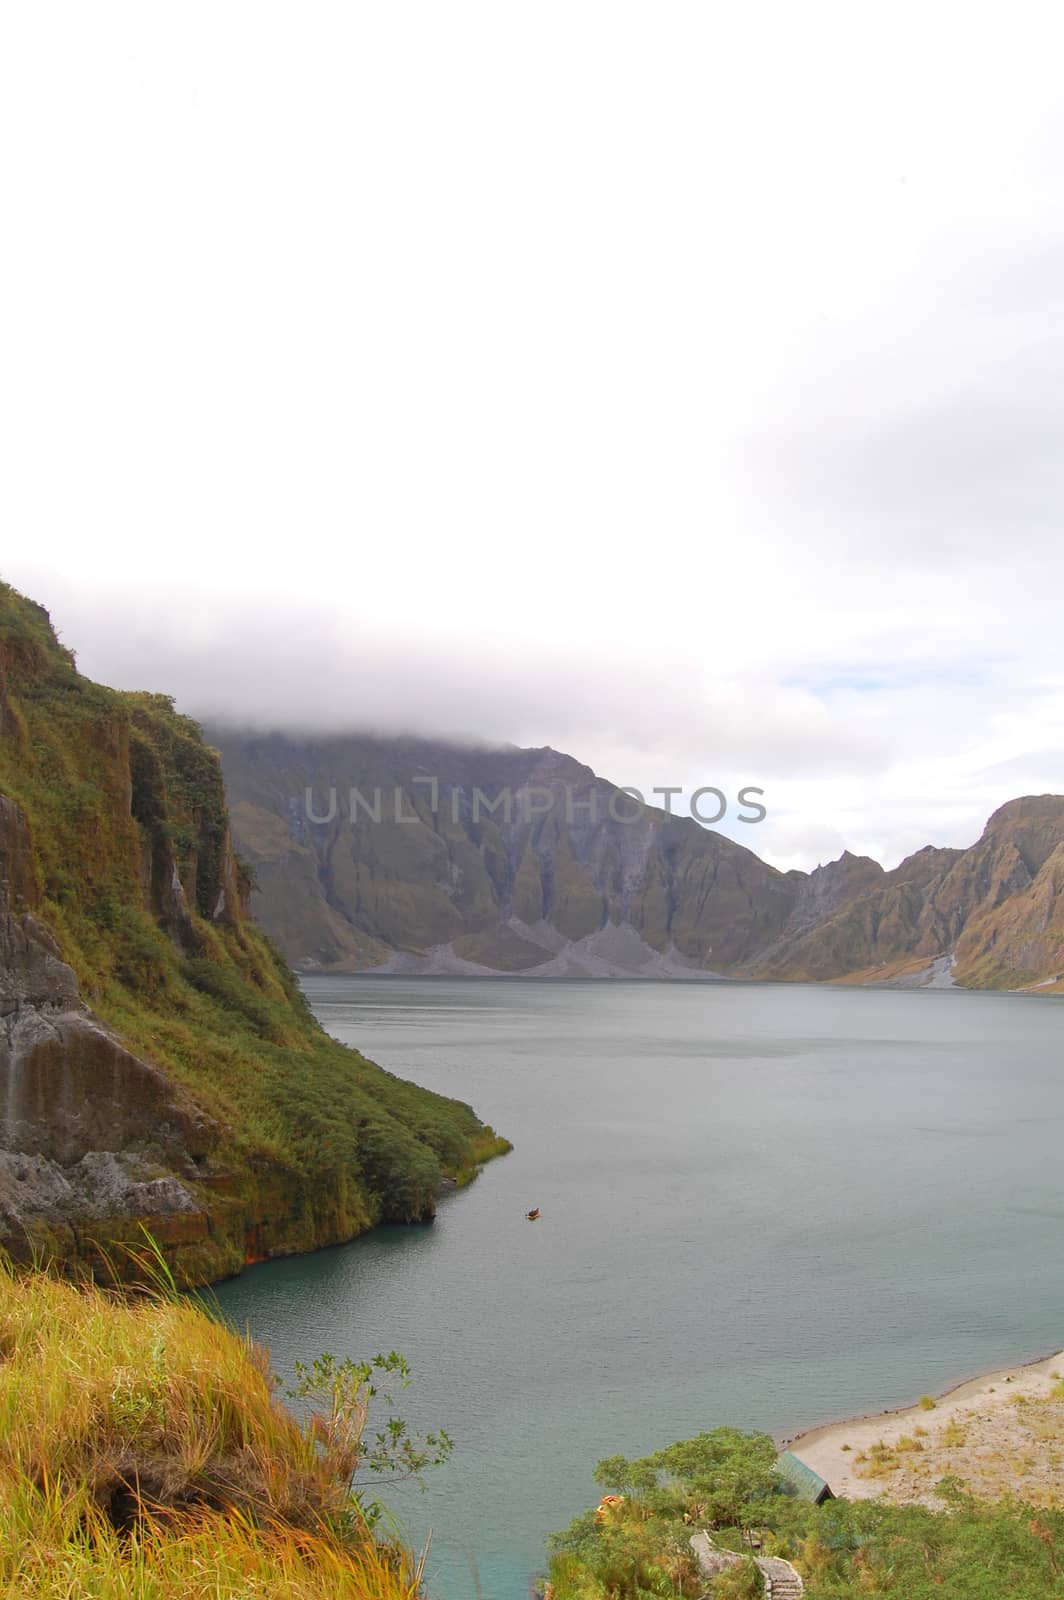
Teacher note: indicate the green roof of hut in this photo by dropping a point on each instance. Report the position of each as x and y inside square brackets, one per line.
[802, 1480]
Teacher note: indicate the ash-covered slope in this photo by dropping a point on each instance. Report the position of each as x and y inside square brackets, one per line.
[158, 1066]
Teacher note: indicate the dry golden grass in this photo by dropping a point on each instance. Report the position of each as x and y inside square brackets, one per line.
[144, 1454]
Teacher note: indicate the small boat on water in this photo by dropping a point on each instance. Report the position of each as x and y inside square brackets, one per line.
[532, 1216]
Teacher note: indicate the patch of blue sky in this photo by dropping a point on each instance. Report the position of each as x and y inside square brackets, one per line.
[890, 678]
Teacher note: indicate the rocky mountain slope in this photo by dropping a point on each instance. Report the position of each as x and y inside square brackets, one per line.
[158, 1065]
[551, 882]
[559, 885]
[990, 916]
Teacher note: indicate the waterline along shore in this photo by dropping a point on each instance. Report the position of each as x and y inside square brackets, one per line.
[1000, 1432]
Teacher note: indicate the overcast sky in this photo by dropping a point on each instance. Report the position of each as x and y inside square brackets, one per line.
[680, 386]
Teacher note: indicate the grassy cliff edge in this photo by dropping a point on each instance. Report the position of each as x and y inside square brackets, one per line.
[158, 1063]
[144, 1455]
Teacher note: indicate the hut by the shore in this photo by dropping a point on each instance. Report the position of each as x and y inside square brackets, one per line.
[802, 1480]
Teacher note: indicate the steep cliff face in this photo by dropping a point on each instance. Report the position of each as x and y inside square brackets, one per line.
[883, 918]
[1015, 935]
[821, 897]
[572, 891]
[88, 1130]
[553, 880]
[990, 916]
[158, 1066]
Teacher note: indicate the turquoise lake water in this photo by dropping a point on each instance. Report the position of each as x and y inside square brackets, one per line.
[762, 1205]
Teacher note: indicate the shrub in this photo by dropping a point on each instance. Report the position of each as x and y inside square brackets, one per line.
[743, 1581]
[401, 1171]
[637, 1558]
[844, 1549]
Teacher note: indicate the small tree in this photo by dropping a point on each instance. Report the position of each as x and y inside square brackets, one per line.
[724, 1476]
[730, 1474]
[341, 1394]
[621, 1476]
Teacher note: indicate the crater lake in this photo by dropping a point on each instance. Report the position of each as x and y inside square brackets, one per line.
[765, 1205]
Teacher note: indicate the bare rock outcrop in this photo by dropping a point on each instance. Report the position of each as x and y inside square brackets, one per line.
[88, 1131]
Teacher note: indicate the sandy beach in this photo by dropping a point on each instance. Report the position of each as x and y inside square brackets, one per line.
[1000, 1433]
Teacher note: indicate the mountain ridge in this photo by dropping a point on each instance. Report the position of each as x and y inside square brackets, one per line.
[573, 894]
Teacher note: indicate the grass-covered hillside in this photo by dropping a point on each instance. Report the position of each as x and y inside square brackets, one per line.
[144, 1455]
[196, 1091]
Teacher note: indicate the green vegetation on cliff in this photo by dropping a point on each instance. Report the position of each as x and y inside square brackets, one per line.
[116, 861]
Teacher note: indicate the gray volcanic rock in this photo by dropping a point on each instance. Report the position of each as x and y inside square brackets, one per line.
[990, 916]
[87, 1129]
[820, 896]
[462, 883]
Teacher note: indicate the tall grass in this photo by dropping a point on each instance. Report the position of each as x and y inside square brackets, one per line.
[144, 1453]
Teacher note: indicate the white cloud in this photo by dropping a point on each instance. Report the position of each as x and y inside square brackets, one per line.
[680, 388]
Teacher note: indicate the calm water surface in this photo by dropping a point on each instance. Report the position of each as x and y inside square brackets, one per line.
[767, 1206]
